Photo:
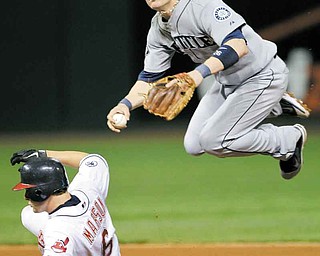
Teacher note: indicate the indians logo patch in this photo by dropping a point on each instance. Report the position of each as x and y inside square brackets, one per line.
[222, 13]
[60, 246]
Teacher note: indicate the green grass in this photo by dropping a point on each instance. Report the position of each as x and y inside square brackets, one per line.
[159, 194]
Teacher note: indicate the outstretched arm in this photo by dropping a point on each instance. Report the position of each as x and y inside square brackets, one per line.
[132, 100]
[69, 158]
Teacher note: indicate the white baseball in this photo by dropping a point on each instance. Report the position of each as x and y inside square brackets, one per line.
[120, 120]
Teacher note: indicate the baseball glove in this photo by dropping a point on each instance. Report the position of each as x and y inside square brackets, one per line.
[168, 102]
[26, 155]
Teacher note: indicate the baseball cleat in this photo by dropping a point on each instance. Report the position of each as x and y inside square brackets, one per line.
[294, 107]
[292, 166]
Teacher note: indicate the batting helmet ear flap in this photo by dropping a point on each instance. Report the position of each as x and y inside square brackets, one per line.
[38, 192]
[35, 194]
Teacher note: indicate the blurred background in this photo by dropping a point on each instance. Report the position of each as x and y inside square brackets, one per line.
[65, 64]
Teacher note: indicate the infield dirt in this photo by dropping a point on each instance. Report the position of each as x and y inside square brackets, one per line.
[290, 249]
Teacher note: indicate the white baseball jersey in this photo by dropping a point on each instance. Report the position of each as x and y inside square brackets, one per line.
[82, 226]
[197, 28]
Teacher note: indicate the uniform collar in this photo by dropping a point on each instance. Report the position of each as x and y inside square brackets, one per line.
[77, 205]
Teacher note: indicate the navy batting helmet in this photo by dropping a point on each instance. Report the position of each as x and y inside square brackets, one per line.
[42, 177]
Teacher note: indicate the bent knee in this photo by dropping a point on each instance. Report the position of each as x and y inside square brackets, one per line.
[192, 149]
[213, 146]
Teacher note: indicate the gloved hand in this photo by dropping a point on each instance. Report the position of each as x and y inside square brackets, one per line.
[25, 155]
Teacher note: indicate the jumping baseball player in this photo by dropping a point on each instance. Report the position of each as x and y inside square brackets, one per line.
[250, 82]
[68, 219]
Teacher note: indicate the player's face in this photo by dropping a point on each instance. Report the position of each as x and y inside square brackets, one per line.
[159, 5]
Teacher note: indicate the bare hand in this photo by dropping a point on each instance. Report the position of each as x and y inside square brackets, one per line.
[120, 108]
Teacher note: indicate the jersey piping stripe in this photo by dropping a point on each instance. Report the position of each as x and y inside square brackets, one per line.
[177, 26]
[65, 215]
[181, 15]
[225, 137]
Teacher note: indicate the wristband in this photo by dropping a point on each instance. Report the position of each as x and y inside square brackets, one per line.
[127, 103]
[227, 55]
[204, 70]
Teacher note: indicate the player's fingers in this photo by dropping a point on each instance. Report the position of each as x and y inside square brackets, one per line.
[111, 113]
[126, 112]
[172, 82]
[119, 109]
[127, 116]
[15, 160]
[112, 128]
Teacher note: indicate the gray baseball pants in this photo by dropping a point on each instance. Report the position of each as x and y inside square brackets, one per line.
[228, 120]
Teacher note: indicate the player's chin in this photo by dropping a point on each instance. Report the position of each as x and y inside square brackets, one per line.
[36, 207]
[35, 210]
[153, 4]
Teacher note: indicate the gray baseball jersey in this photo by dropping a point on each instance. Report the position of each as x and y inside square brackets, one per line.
[197, 28]
[227, 121]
